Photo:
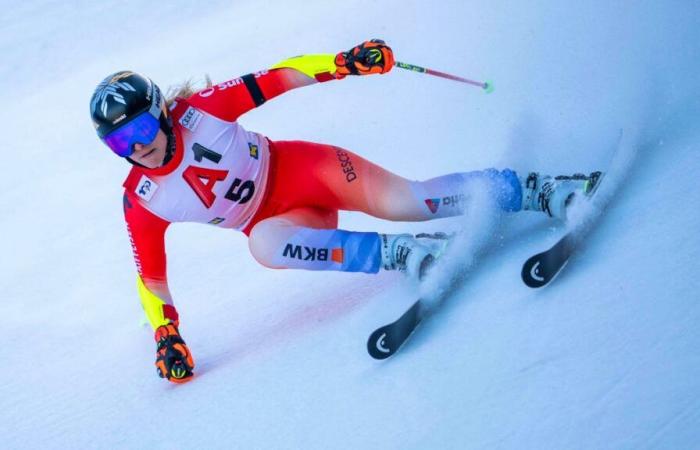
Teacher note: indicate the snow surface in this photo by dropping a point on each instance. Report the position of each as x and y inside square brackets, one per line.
[605, 357]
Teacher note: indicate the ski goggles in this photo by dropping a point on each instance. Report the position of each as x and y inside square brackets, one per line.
[142, 129]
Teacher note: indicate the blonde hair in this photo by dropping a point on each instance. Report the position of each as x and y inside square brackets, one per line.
[185, 89]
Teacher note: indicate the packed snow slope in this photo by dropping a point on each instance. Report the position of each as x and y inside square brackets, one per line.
[605, 357]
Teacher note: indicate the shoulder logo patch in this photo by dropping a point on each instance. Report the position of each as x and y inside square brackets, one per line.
[191, 118]
[146, 188]
[253, 150]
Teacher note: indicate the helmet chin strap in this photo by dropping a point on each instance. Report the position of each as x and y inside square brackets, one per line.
[166, 125]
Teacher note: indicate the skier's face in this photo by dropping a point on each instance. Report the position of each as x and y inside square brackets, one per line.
[151, 155]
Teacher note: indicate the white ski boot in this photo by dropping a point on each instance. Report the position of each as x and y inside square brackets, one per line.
[413, 255]
[553, 195]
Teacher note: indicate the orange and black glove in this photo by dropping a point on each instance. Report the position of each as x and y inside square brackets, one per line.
[367, 58]
[173, 358]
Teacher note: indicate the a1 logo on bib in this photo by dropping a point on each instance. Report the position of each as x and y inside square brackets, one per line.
[191, 118]
[146, 188]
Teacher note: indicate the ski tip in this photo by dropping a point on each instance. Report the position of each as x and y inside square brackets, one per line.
[488, 87]
[386, 340]
[377, 345]
[532, 273]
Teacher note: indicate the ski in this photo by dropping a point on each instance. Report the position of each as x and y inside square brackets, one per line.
[386, 340]
[540, 269]
[543, 267]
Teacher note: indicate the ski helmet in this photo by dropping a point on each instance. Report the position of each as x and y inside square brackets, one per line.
[128, 108]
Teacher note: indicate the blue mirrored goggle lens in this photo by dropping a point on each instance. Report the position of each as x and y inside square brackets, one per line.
[140, 130]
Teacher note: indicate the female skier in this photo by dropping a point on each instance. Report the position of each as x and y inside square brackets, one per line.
[192, 162]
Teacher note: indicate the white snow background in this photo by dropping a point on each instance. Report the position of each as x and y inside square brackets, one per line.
[607, 357]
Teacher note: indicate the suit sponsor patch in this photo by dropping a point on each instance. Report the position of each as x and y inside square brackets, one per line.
[191, 118]
[253, 150]
[305, 253]
[146, 188]
[433, 204]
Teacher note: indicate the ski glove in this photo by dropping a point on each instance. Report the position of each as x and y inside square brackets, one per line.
[367, 58]
[173, 358]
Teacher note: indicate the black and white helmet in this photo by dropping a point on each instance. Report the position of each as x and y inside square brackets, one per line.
[122, 96]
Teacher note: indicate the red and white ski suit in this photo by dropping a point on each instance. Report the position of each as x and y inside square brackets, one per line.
[285, 195]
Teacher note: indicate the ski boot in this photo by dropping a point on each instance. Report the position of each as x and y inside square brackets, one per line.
[553, 195]
[173, 358]
[413, 255]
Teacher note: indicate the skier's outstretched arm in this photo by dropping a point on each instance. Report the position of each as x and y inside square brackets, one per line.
[147, 236]
[231, 99]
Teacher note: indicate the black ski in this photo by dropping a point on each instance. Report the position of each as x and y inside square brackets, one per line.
[540, 269]
[543, 267]
[386, 340]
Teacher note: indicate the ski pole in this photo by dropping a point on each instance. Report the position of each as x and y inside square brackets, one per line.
[486, 86]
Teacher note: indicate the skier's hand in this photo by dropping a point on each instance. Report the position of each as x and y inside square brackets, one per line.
[367, 58]
[173, 358]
